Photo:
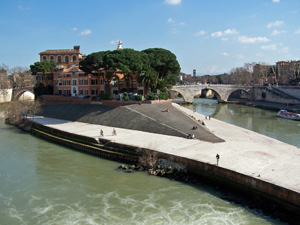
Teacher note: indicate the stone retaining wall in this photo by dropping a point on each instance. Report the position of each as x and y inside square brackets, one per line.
[59, 100]
[288, 199]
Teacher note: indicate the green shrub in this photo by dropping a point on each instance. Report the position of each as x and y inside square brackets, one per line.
[138, 97]
[152, 96]
[126, 97]
[164, 95]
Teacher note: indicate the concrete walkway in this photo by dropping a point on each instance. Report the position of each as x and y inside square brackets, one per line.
[243, 151]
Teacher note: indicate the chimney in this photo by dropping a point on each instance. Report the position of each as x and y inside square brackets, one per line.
[77, 47]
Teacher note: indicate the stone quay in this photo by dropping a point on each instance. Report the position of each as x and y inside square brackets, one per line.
[248, 161]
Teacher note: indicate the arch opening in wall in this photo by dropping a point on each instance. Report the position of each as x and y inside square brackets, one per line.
[239, 95]
[176, 96]
[67, 59]
[24, 95]
[74, 58]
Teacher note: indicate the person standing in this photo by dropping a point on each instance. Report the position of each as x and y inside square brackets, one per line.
[217, 157]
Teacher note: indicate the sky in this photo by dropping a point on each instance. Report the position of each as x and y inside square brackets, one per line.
[211, 36]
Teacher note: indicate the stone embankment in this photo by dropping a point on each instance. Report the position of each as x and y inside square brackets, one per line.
[249, 162]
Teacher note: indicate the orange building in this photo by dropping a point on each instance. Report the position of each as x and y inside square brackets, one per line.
[68, 79]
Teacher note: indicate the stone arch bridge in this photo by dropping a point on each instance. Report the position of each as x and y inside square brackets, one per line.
[222, 92]
[17, 92]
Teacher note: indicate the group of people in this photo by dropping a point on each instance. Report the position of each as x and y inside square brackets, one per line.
[114, 132]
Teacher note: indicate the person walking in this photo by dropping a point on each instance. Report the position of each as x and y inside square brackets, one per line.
[101, 133]
[114, 132]
[217, 157]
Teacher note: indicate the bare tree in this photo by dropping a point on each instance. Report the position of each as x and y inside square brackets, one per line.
[17, 112]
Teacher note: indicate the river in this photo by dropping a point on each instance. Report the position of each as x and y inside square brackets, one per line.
[45, 183]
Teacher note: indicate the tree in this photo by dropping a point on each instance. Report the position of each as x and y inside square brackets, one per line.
[39, 89]
[149, 79]
[93, 61]
[164, 62]
[42, 67]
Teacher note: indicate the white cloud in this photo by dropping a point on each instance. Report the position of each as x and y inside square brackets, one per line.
[74, 28]
[85, 32]
[250, 40]
[276, 32]
[182, 24]
[225, 54]
[229, 31]
[269, 47]
[276, 1]
[170, 20]
[200, 33]
[224, 39]
[226, 32]
[172, 2]
[217, 34]
[275, 24]
[297, 31]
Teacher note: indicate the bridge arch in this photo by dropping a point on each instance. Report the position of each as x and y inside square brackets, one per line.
[19, 93]
[222, 92]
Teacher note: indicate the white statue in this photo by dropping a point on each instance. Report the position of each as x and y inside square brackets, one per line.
[120, 45]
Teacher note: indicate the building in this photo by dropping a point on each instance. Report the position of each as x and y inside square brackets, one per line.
[66, 57]
[69, 80]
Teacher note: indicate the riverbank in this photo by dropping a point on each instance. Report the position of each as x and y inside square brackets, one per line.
[266, 105]
[248, 160]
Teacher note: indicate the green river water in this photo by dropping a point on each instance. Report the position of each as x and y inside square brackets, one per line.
[45, 183]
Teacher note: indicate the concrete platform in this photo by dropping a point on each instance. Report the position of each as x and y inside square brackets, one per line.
[243, 151]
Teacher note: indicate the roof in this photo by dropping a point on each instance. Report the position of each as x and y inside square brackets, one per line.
[74, 68]
[60, 51]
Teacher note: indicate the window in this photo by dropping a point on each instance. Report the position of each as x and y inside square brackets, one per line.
[66, 59]
[60, 92]
[80, 82]
[86, 82]
[94, 92]
[68, 82]
[51, 58]
[74, 82]
[59, 59]
[68, 92]
[101, 92]
[127, 80]
[114, 82]
[86, 92]
[59, 83]
[65, 92]
[59, 75]
[44, 58]
[74, 91]
[101, 81]
[80, 92]
[74, 58]
[94, 81]
[64, 82]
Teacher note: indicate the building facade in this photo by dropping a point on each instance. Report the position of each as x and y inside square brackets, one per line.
[69, 80]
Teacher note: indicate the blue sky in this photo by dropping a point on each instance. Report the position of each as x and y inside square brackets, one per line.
[211, 36]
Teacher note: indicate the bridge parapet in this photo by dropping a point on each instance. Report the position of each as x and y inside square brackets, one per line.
[222, 92]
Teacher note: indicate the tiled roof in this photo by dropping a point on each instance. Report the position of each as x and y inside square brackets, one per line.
[61, 51]
[72, 69]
